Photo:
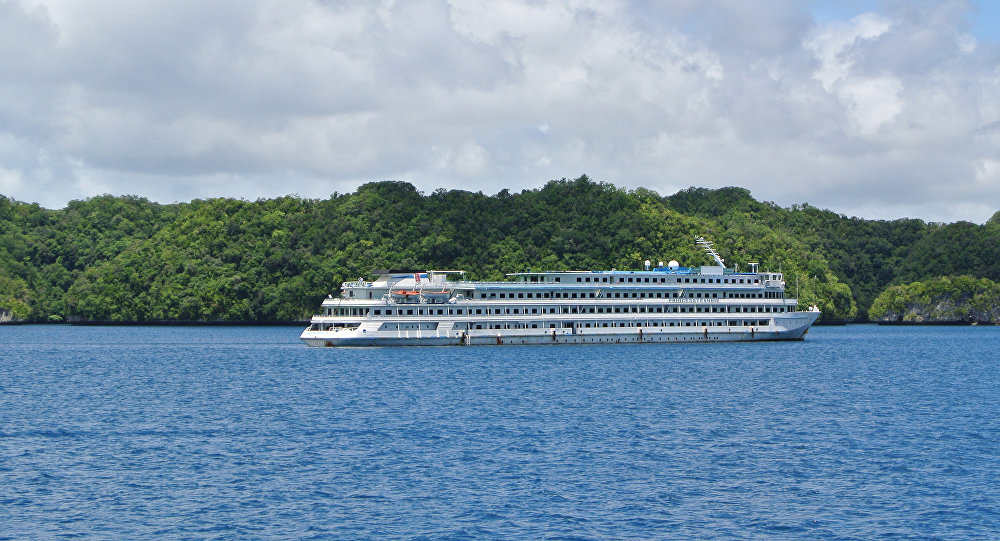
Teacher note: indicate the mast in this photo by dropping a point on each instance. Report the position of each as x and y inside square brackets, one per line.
[710, 250]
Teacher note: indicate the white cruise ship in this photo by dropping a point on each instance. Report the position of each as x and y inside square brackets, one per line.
[668, 303]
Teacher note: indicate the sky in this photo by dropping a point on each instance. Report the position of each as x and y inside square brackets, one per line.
[876, 109]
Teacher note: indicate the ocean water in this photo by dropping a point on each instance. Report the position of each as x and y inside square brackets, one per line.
[858, 432]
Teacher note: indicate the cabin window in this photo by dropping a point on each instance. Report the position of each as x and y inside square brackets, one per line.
[578, 279]
[378, 312]
[520, 295]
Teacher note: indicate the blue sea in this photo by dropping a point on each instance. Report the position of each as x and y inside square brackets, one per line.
[858, 432]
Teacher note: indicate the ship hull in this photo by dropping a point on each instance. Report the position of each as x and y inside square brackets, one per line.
[787, 327]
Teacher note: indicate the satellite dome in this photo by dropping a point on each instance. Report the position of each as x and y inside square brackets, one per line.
[673, 265]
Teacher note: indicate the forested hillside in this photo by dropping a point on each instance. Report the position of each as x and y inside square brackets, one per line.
[959, 299]
[128, 259]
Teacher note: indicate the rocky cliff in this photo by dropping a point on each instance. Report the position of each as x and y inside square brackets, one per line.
[941, 301]
[942, 312]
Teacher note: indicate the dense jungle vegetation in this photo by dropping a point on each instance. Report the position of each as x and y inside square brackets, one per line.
[128, 259]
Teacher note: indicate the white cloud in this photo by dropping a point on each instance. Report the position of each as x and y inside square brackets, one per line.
[10, 180]
[883, 114]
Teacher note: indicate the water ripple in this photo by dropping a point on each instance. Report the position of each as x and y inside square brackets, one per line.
[243, 433]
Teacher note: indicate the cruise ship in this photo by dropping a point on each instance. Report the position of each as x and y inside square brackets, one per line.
[666, 303]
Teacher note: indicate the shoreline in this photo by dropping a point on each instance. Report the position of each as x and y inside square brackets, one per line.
[183, 323]
[164, 323]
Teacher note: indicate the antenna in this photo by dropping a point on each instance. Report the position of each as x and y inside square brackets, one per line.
[707, 246]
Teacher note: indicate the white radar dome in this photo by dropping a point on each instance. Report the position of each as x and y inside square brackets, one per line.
[673, 265]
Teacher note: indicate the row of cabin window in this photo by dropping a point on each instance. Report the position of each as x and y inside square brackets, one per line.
[635, 295]
[648, 281]
[659, 280]
[635, 309]
[654, 280]
[539, 325]
[604, 324]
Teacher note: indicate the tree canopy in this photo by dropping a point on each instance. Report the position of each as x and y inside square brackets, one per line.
[128, 259]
